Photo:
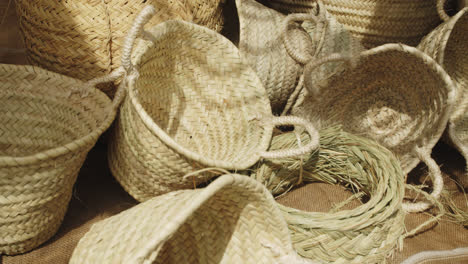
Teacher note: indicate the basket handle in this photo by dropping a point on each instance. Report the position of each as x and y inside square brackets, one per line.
[289, 41]
[441, 10]
[437, 182]
[137, 28]
[287, 153]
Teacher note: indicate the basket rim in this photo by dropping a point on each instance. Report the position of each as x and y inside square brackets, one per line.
[153, 127]
[447, 28]
[76, 144]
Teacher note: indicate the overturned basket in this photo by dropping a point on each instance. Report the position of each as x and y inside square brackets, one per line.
[447, 44]
[192, 103]
[394, 94]
[84, 39]
[49, 123]
[375, 22]
[232, 220]
[368, 233]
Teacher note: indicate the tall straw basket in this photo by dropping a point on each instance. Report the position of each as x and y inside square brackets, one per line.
[395, 94]
[376, 22]
[447, 44]
[192, 103]
[84, 38]
[233, 220]
[49, 123]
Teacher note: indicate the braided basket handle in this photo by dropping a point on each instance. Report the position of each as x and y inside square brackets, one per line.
[127, 67]
[287, 153]
[441, 10]
[437, 181]
[289, 41]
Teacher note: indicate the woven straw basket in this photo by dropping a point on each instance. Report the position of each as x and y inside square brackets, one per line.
[447, 44]
[192, 103]
[375, 22]
[367, 233]
[261, 43]
[396, 95]
[277, 48]
[233, 220]
[83, 38]
[49, 123]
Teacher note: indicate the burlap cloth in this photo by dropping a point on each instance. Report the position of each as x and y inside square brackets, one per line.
[97, 195]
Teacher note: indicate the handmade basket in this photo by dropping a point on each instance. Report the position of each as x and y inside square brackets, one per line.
[277, 48]
[49, 123]
[232, 220]
[328, 37]
[261, 43]
[368, 233]
[395, 94]
[192, 103]
[375, 22]
[83, 39]
[447, 44]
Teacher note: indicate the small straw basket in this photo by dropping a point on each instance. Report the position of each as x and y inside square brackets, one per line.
[232, 220]
[192, 104]
[49, 123]
[448, 45]
[395, 94]
[375, 22]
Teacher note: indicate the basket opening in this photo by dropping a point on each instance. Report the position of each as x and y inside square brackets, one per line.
[200, 93]
[235, 221]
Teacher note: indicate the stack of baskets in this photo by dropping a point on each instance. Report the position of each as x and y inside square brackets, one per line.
[189, 105]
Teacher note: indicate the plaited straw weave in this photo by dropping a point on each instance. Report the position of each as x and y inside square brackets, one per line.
[368, 233]
[328, 36]
[49, 123]
[447, 44]
[261, 43]
[375, 22]
[192, 103]
[84, 38]
[394, 94]
[232, 220]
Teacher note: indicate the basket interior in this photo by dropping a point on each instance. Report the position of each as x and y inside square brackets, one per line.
[37, 111]
[195, 87]
[391, 96]
[236, 222]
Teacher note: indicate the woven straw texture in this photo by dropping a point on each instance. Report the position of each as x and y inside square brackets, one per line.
[368, 233]
[261, 43]
[193, 103]
[84, 38]
[376, 22]
[327, 36]
[233, 220]
[447, 44]
[385, 98]
[49, 123]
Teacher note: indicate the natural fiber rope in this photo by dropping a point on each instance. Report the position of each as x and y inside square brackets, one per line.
[353, 161]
